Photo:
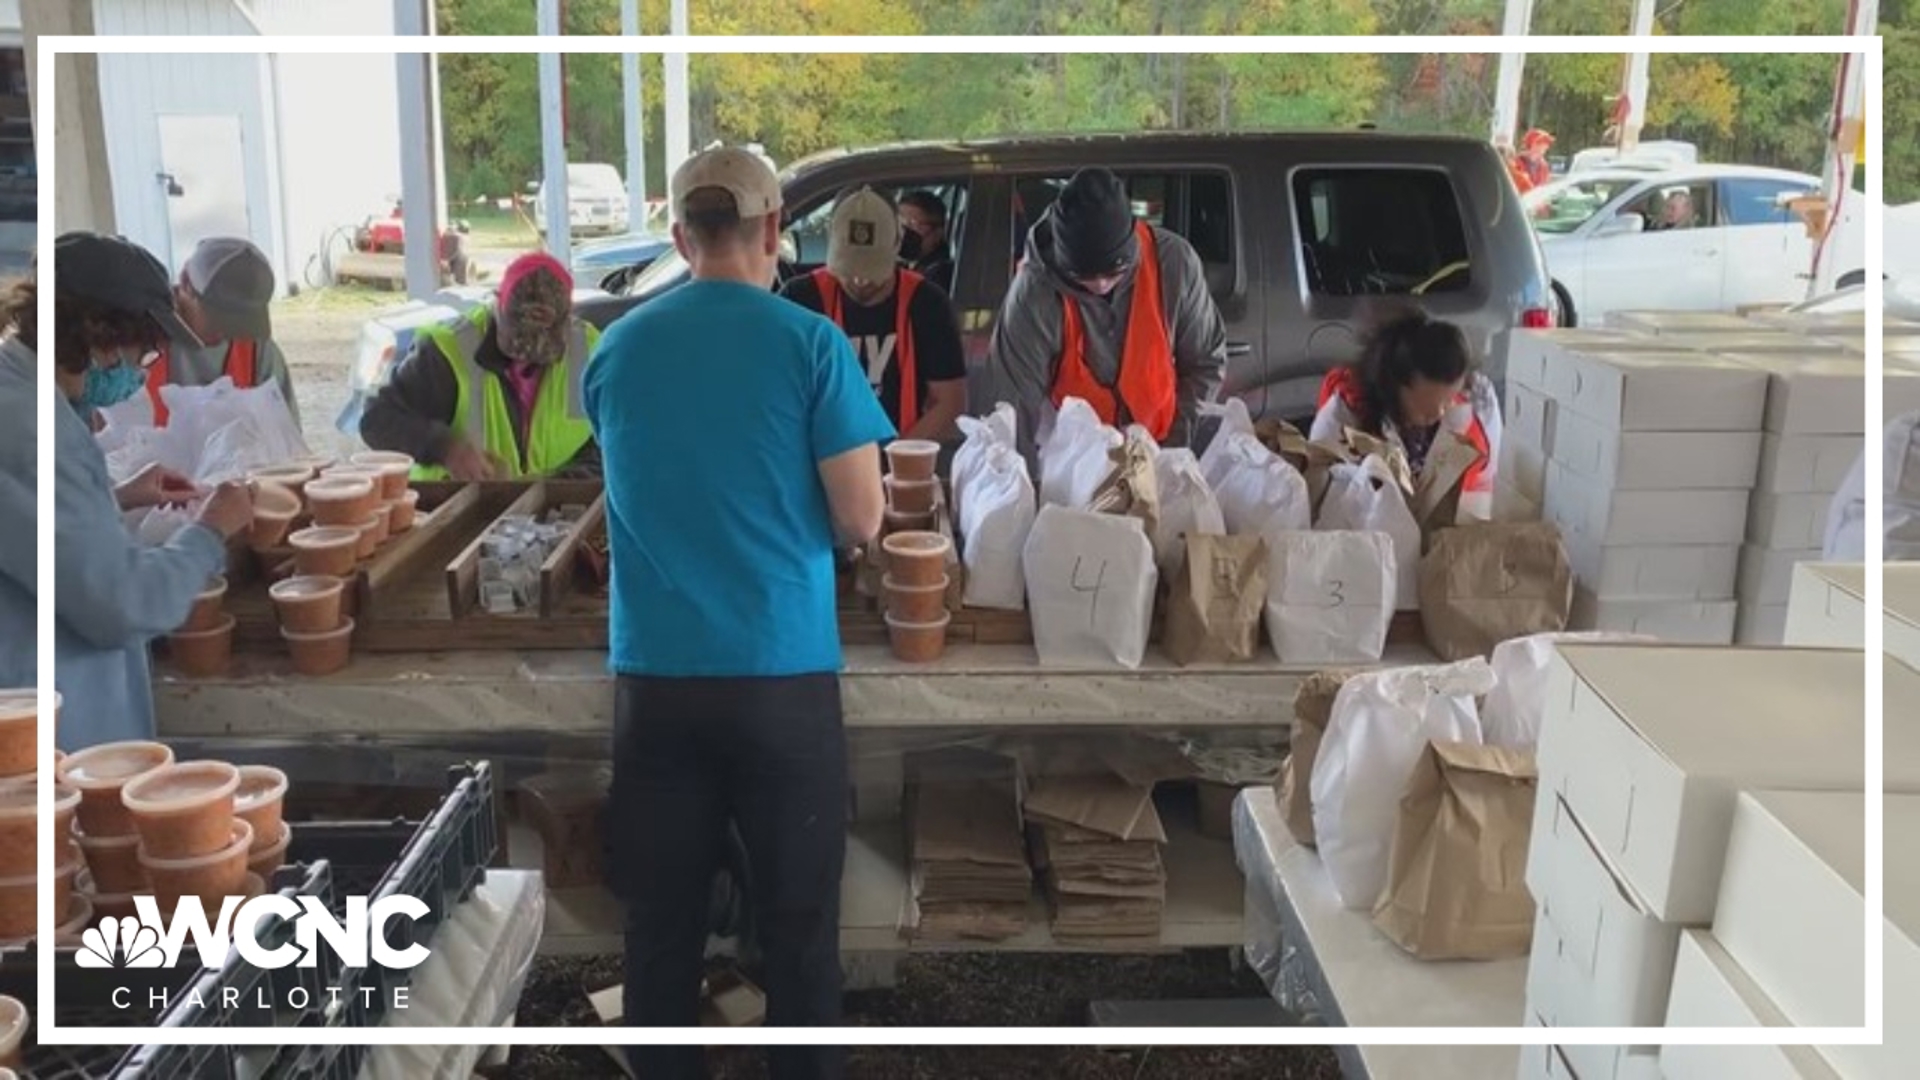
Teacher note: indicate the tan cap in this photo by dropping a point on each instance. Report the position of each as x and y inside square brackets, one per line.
[865, 239]
[738, 172]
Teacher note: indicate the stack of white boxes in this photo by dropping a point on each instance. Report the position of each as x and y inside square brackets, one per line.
[1649, 459]
[1526, 438]
[1815, 431]
[1659, 323]
[1644, 753]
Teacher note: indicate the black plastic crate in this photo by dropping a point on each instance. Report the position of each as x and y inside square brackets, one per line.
[80, 992]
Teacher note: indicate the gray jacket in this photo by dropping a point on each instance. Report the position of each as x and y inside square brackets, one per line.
[1026, 338]
[111, 595]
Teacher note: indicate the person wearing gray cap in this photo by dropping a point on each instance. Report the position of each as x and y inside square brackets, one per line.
[223, 295]
[112, 310]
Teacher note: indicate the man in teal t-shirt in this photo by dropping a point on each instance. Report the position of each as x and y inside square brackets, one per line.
[741, 448]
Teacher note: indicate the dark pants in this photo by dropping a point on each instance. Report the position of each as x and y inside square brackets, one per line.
[689, 756]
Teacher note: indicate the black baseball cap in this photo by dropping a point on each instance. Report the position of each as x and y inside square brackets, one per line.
[1093, 224]
[119, 273]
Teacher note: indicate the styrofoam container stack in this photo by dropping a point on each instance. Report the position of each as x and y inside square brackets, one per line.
[1644, 456]
[1645, 753]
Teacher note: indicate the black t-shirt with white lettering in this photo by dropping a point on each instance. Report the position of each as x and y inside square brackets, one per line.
[937, 355]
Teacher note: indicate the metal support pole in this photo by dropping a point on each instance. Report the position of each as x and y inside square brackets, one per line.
[1513, 66]
[553, 139]
[1636, 81]
[419, 142]
[1843, 139]
[635, 99]
[679, 123]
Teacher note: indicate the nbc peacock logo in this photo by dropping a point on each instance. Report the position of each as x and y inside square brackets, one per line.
[120, 943]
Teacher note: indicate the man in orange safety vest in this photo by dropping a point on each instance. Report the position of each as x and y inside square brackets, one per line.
[222, 295]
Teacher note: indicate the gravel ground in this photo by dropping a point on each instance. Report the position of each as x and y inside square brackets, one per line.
[960, 990]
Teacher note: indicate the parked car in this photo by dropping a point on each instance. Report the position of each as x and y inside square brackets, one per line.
[1706, 238]
[596, 201]
[613, 262]
[1300, 235]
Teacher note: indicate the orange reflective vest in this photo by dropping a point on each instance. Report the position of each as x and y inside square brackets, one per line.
[1340, 382]
[907, 282]
[1147, 386]
[240, 368]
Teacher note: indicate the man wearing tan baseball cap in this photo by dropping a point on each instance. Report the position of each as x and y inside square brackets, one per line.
[740, 444]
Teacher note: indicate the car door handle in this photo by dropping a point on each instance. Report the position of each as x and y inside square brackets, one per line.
[1239, 348]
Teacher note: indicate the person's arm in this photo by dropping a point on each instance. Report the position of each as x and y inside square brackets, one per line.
[1199, 336]
[413, 412]
[847, 426]
[1023, 352]
[941, 360]
[273, 365]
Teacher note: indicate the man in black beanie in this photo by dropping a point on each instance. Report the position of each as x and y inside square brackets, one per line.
[1110, 310]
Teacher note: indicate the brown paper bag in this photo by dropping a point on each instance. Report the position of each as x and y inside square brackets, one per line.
[1216, 599]
[1130, 489]
[1436, 494]
[1312, 711]
[1482, 584]
[1456, 885]
[1284, 439]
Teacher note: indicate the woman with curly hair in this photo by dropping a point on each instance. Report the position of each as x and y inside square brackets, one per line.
[112, 595]
[1416, 376]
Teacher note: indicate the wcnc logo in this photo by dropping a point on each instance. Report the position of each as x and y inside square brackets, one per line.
[151, 941]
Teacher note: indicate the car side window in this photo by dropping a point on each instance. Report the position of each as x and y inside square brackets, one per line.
[1760, 202]
[1196, 206]
[1380, 231]
[1668, 207]
[813, 225]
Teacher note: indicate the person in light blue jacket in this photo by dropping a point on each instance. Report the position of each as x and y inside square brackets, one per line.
[111, 594]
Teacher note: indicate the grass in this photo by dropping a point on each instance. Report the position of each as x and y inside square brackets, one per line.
[338, 300]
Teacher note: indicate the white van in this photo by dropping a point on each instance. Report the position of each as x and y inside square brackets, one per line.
[596, 201]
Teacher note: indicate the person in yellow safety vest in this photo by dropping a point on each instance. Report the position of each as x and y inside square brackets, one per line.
[495, 394]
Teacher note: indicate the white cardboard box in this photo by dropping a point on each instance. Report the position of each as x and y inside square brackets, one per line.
[1524, 469]
[1788, 522]
[1544, 1062]
[1655, 460]
[1511, 506]
[1600, 958]
[1670, 391]
[1710, 990]
[1818, 395]
[1679, 622]
[1688, 572]
[1681, 322]
[1900, 955]
[1533, 353]
[1900, 603]
[1601, 515]
[1650, 744]
[1827, 606]
[1761, 341]
[1760, 625]
[1766, 574]
[1804, 464]
[1529, 419]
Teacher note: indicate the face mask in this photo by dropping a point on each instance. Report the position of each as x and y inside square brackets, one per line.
[110, 386]
[911, 246]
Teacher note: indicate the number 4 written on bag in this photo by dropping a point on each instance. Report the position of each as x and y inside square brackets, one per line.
[1092, 588]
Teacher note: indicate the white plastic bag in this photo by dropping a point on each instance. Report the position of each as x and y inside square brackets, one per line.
[1073, 460]
[1234, 419]
[1381, 724]
[980, 436]
[1258, 491]
[1366, 498]
[994, 523]
[1329, 596]
[1518, 701]
[1187, 506]
[1090, 586]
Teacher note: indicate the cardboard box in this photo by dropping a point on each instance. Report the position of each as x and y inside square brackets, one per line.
[1900, 955]
[1817, 395]
[1766, 574]
[1760, 624]
[1680, 322]
[1806, 464]
[1529, 419]
[1601, 515]
[1682, 622]
[1655, 460]
[1660, 391]
[1759, 341]
[1710, 990]
[1544, 1062]
[1649, 746]
[1524, 469]
[1788, 522]
[1600, 958]
[1509, 505]
[1533, 353]
[1827, 606]
[1689, 572]
[1900, 617]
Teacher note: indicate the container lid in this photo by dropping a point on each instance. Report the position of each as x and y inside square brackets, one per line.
[178, 788]
[238, 841]
[305, 587]
[894, 481]
[387, 461]
[887, 582]
[272, 500]
[333, 485]
[20, 797]
[13, 1017]
[112, 764]
[344, 629]
[259, 785]
[938, 624]
[22, 704]
[216, 586]
[915, 543]
[913, 447]
[325, 536]
[224, 626]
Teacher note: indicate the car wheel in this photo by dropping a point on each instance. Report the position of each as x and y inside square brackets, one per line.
[1850, 279]
[1563, 314]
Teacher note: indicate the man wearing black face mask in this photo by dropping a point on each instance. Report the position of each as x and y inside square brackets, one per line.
[923, 238]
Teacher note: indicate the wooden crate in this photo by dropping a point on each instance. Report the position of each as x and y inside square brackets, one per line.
[462, 574]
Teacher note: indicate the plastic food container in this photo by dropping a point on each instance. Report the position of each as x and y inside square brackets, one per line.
[274, 508]
[342, 500]
[252, 885]
[330, 551]
[264, 861]
[13, 1030]
[915, 603]
[206, 611]
[19, 906]
[183, 811]
[912, 459]
[20, 823]
[293, 475]
[202, 654]
[918, 643]
[322, 653]
[65, 874]
[221, 873]
[911, 496]
[393, 468]
[308, 604]
[899, 522]
[262, 791]
[100, 772]
[114, 862]
[917, 558]
[118, 905]
[405, 509]
[373, 533]
[20, 731]
[79, 912]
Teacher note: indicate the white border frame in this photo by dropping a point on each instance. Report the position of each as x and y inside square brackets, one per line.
[1869, 48]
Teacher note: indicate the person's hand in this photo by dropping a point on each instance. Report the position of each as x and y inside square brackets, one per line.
[156, 485]
[229, 509]
[467, 462]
